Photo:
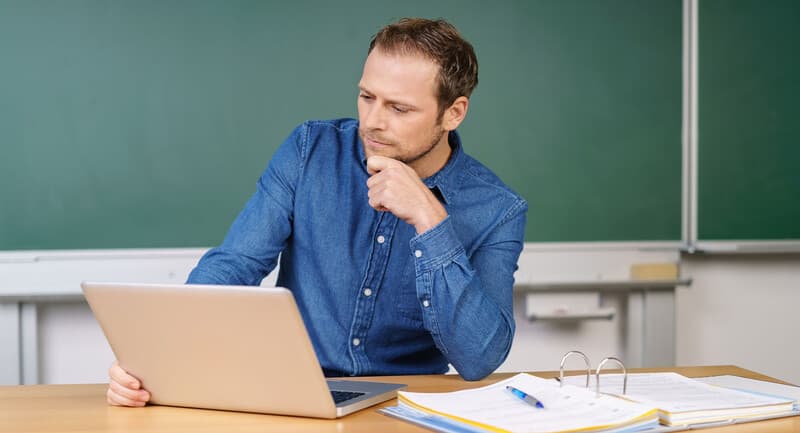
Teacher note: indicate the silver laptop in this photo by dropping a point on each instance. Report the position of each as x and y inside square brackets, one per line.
[223, 347]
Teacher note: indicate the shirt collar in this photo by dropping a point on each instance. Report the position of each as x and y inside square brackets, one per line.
[445, 179]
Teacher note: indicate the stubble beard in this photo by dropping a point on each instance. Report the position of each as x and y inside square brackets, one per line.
[408, 159]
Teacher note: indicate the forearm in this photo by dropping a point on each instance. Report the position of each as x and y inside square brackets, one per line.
[222, 266]
[467, 305]
[474, 333]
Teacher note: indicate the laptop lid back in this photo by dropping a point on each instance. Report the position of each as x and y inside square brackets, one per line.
[218, 347]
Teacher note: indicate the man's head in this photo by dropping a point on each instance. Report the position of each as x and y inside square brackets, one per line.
[415, 87]
[439, 42]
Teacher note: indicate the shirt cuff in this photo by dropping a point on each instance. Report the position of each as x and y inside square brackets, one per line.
[436, 246]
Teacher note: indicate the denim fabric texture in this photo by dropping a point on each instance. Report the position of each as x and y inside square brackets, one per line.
[376, 297]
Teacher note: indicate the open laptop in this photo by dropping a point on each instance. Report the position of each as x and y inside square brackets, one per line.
[223, 347]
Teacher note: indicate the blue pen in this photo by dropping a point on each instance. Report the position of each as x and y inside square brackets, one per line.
[531, 400]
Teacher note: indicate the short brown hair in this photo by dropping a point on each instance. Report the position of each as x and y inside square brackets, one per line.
[439, 41]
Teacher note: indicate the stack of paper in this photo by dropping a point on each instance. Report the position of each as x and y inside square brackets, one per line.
[494, 408]
[684, 401]
[754, 386]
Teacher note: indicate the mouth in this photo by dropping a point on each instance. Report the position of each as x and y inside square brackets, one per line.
[372, 147]
[375, 143]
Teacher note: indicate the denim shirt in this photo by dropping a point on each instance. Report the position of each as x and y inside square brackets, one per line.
[376, 297]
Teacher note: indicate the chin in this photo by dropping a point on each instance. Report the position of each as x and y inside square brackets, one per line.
[368, 151]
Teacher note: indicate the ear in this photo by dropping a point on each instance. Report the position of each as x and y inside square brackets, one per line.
[455, 113]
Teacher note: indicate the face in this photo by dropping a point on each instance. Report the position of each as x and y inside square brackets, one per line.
[398, 111]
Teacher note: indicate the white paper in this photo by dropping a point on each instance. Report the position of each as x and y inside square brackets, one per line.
[567, 408]
[755, 386]
[681, 399]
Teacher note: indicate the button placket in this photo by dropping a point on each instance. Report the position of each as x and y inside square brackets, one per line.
[365, 302]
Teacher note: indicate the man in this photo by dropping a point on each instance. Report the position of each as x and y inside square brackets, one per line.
[399, 248]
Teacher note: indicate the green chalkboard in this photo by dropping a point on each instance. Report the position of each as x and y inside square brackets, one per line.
[580, 111]
[142, 124]
[748, 117]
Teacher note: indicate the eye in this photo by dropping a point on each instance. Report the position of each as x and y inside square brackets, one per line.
[399, 109]
[365, 97]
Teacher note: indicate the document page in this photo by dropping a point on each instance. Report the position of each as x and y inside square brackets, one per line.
[566, 408]
[755, 386]
[674, 393]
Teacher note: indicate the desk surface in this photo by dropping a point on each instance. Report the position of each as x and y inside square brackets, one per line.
[61, 408]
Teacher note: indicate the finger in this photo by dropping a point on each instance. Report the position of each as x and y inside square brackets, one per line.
[115, 399]
[380, 194]
[132, 394]
[373, 180]
[375, 204]
[119, 375]
[377, 163]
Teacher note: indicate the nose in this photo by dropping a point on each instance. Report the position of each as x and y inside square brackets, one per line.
[373, 117]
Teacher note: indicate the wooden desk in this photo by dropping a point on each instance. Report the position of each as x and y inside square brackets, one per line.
[73, 408]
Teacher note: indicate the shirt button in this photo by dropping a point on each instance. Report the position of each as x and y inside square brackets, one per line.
[356, 342]
[381, 239]
[426, 303]
[417, 253]
[367, 291]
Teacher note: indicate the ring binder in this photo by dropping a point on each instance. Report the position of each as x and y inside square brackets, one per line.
[564, 359]
[658, 402]
[624, 374]
[589, 370]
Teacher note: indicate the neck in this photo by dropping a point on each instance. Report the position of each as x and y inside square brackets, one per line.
[435, 160]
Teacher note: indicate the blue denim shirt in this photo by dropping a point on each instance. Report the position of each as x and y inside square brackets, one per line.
[376, 298]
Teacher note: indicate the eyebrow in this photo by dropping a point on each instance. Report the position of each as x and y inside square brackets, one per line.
[388, 101]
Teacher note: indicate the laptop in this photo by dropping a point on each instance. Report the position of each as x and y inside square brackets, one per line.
[223, 347]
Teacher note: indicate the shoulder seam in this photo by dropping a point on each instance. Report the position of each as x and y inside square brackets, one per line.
[331, 123]
[512, 211]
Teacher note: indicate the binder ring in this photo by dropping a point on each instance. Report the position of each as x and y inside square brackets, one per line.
[564, 360]
[624, 372]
